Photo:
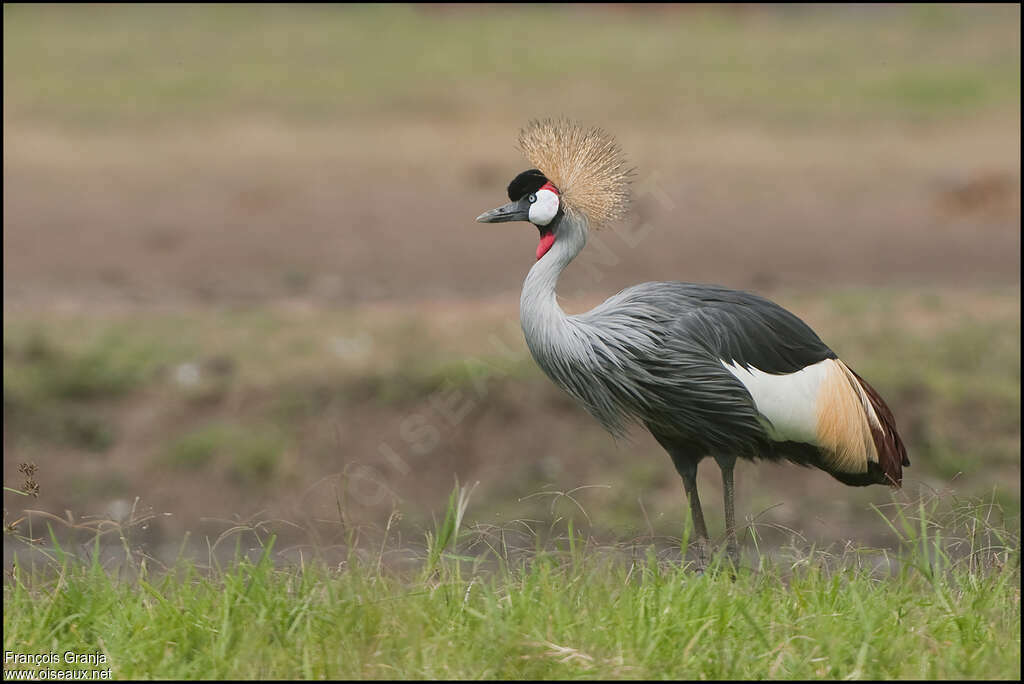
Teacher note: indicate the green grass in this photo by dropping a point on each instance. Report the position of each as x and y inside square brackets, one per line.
[945, 606]
[132, 65]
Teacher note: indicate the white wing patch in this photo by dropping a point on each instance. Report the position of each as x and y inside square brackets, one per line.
[789, 402]
[822, 404]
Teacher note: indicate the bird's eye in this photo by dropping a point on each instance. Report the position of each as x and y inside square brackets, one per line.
[532, 198]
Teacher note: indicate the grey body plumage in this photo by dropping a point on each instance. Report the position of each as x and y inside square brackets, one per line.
[652, 354]
[708, 370]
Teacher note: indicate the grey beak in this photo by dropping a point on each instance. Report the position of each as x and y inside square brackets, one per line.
[513, 211]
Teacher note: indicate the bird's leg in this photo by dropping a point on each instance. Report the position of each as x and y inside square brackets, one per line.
[727, 463]
[688, 471]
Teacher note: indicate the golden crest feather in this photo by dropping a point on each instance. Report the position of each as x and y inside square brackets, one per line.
[586, 165]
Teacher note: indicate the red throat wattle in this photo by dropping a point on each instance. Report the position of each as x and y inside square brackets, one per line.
[546, 240]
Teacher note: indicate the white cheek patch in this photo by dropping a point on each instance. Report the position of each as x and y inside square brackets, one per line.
[544, 209]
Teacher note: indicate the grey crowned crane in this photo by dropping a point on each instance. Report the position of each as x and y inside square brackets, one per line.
[708, 370]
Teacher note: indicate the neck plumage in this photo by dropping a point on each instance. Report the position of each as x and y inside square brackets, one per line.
[544, 323]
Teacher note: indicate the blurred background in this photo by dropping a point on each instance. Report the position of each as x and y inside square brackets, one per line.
[243, 287]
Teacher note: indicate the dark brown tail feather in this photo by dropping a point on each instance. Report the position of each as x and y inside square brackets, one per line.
[892, 455]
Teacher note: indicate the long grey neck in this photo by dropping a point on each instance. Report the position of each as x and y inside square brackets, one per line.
[542, 318]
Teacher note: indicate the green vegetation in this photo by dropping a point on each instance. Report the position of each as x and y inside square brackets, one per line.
[481, 602]
[252, 454]
[52, 379]
[117, 360]
[124, 65]
[945, 606]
